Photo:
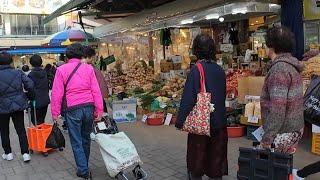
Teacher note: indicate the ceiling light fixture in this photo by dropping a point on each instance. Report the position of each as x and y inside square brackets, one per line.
[212, 16]
[221, 19]
[187, 21]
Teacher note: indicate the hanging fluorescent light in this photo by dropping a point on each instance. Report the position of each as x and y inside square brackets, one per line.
[221, 19]
[243, 10]
[187, 21]
[212, 16]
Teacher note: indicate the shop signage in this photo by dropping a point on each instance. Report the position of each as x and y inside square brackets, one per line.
[30, 6]
[226, 47]
[311, 9]
[125, 110]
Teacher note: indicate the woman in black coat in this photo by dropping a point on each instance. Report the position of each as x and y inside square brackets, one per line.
[41, 85]
[13, 101]
[206, 155]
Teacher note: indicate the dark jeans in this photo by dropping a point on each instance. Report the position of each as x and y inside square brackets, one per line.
[40, 115]
[80, 126]
[309, 170]
[18, 122]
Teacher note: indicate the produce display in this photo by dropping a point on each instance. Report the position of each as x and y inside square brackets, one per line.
[312, 67]
[139, 75]
[173, 88]
[232, 81]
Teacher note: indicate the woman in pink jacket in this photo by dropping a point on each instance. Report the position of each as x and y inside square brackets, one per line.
[83, 103]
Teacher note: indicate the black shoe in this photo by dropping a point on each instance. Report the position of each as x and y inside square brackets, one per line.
[87, 176]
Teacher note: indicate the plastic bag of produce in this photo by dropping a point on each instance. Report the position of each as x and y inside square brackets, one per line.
[118, 152]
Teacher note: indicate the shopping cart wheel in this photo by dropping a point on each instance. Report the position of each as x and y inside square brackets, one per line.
[61, 149]
[46, 154]
[121, 176]
[139, 173]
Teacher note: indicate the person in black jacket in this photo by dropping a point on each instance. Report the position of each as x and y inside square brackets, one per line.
[41, 84]
[13, 101]
[206, 155]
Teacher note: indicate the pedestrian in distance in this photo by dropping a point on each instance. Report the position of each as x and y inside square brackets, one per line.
[90, 53]
[41, 86]
[78, 84]
[13, 101]
[25, 68]
[206, 155]
[282, 93]
[50, 74]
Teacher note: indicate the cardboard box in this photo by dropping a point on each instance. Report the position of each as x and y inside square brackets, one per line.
[251, 86]
[166, 66]
[125, 110]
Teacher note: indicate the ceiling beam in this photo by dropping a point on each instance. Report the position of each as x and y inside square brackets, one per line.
[141, 3]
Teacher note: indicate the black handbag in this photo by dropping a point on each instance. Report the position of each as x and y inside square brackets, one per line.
[312, 102]
[64, 106]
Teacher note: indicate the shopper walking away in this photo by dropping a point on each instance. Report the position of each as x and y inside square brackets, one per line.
[41, 86]
[78, 83]
[13, 101]
[282, 94]
[90, 53]
[50, 74]
[206, 155]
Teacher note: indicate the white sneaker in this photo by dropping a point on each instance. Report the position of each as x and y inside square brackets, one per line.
[295, 175]
[8, 157]
[26, 157]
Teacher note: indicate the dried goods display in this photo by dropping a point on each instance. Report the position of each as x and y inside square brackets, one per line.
[312, 67]
[117, 81]
[232, 80]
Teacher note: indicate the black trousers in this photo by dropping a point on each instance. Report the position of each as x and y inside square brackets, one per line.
[41, 115]
[18, 122]
[309, 170]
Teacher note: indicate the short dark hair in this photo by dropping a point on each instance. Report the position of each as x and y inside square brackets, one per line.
[89, 52]
[5, 58]
[36, 60]
[25, 68]
[281, 39]
[75, 50]
[204, 47]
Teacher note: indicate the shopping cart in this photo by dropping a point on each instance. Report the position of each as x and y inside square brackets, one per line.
[118, 152]
[264, 164]
[38, 134]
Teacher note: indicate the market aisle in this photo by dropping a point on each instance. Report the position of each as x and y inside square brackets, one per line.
[161, 148]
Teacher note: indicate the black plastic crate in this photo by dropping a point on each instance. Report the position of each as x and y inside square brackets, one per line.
[251, 129]
[263, 165]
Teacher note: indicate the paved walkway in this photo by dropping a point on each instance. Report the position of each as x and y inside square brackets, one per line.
[161, 148]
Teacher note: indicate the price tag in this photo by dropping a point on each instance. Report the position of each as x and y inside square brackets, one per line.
[253, 119]
[168, 119]
[102, 126]
[144, 118]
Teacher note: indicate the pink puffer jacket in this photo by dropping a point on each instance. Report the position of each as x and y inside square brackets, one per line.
[83, 88]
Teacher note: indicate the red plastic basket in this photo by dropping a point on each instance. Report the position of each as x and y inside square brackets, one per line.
[237, 131]
[155, 119]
